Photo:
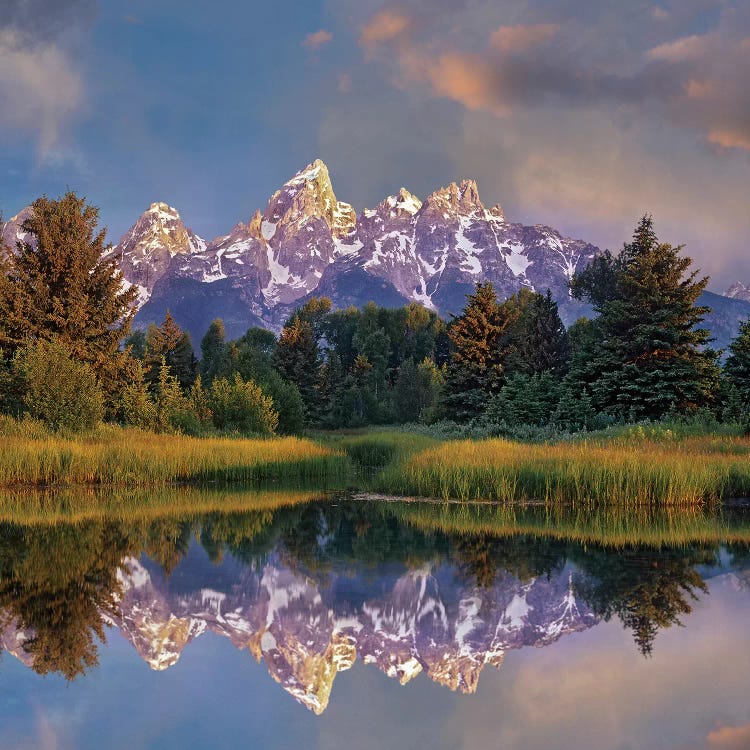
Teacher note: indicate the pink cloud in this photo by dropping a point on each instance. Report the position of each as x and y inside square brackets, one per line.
[511, 39]
[317, 39]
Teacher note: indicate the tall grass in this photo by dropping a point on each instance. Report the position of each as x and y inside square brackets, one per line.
[683, 472]
[137, 459]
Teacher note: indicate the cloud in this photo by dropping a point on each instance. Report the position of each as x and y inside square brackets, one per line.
[317, 39]
[521, 38]
[344, 83]
[385, 26]
[41, 85]
[42, 20]
[40, 89]
[696, 81]
[730, 738]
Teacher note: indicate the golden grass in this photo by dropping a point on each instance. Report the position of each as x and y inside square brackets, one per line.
[685, 472]
[138, 459]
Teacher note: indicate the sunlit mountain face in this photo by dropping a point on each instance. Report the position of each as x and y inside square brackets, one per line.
[311, 590]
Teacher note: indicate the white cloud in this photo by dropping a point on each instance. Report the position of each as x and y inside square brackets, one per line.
[40, 88]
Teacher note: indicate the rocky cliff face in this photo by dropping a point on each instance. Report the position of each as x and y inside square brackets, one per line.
[738, 291]
[428, 621]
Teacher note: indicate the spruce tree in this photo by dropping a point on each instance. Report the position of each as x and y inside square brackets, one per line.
[475, 369]
[170, 343]
[297, 357]
[213, 351]
[59, 285]
[737, 366]
[537, 339]
[653, 357]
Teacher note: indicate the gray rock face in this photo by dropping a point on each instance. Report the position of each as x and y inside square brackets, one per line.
[738, 291]
[11, 232]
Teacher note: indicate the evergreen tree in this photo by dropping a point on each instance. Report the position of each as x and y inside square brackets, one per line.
[525, 400]
[168, 342]
[297, 357]
[136, 343]
[59, 285]
[416, 391]
[213, 351]
[537, 338]
[737, 366]
[476, 366]
[652, 357]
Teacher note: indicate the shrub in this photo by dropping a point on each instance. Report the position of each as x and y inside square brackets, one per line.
[58, 390]
[240, 406]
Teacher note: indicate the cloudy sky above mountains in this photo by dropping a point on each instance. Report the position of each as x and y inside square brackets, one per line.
[582, 114]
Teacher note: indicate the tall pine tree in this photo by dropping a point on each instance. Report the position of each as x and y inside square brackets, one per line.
[737, 366]
[476, 366]
[170, 344]
[652, 356]
[59, 285]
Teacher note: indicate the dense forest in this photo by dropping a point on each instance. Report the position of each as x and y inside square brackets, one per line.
[68, 356]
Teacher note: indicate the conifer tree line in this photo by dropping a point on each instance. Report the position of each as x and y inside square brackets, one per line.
[68, 355]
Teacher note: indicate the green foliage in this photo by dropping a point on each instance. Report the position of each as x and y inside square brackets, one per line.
[136, 343]
[537, 339]
[240, 406]
[137, 408]
[651, 357]
[737, 365]
[60, 286]
[297, 357]
[169, 344]
[525, 399]
[476, 368]
[57, 389]
[213, 351]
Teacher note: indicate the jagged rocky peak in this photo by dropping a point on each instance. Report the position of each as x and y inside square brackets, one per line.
[402, 204]
[738, 291]
[12, 231]
[160, 228]
[460, 198]
[308, 195]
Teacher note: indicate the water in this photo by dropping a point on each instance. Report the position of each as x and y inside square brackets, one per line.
[354, 624]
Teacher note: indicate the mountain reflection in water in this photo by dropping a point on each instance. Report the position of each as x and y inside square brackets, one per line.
[311, 588]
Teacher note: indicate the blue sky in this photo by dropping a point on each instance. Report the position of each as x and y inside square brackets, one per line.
[582, 114]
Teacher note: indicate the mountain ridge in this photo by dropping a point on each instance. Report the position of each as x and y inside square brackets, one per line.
[306, 242]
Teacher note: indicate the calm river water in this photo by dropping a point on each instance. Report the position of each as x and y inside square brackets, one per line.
[343, 623]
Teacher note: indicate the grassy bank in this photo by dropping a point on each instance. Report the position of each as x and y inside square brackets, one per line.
[136, 459]
[633, 466]
[631, 471]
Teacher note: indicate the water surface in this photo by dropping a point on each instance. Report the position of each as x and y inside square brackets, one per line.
[343, 623]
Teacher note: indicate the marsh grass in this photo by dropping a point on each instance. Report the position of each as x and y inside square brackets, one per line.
[375, 449]
[629, 470]
[131, 458]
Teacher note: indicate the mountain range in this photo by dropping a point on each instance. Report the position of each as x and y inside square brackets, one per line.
[308, 243]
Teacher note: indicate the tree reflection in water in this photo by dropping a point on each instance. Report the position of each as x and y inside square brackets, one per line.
[60, 584]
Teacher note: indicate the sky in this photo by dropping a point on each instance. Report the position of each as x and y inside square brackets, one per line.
[580, 114]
